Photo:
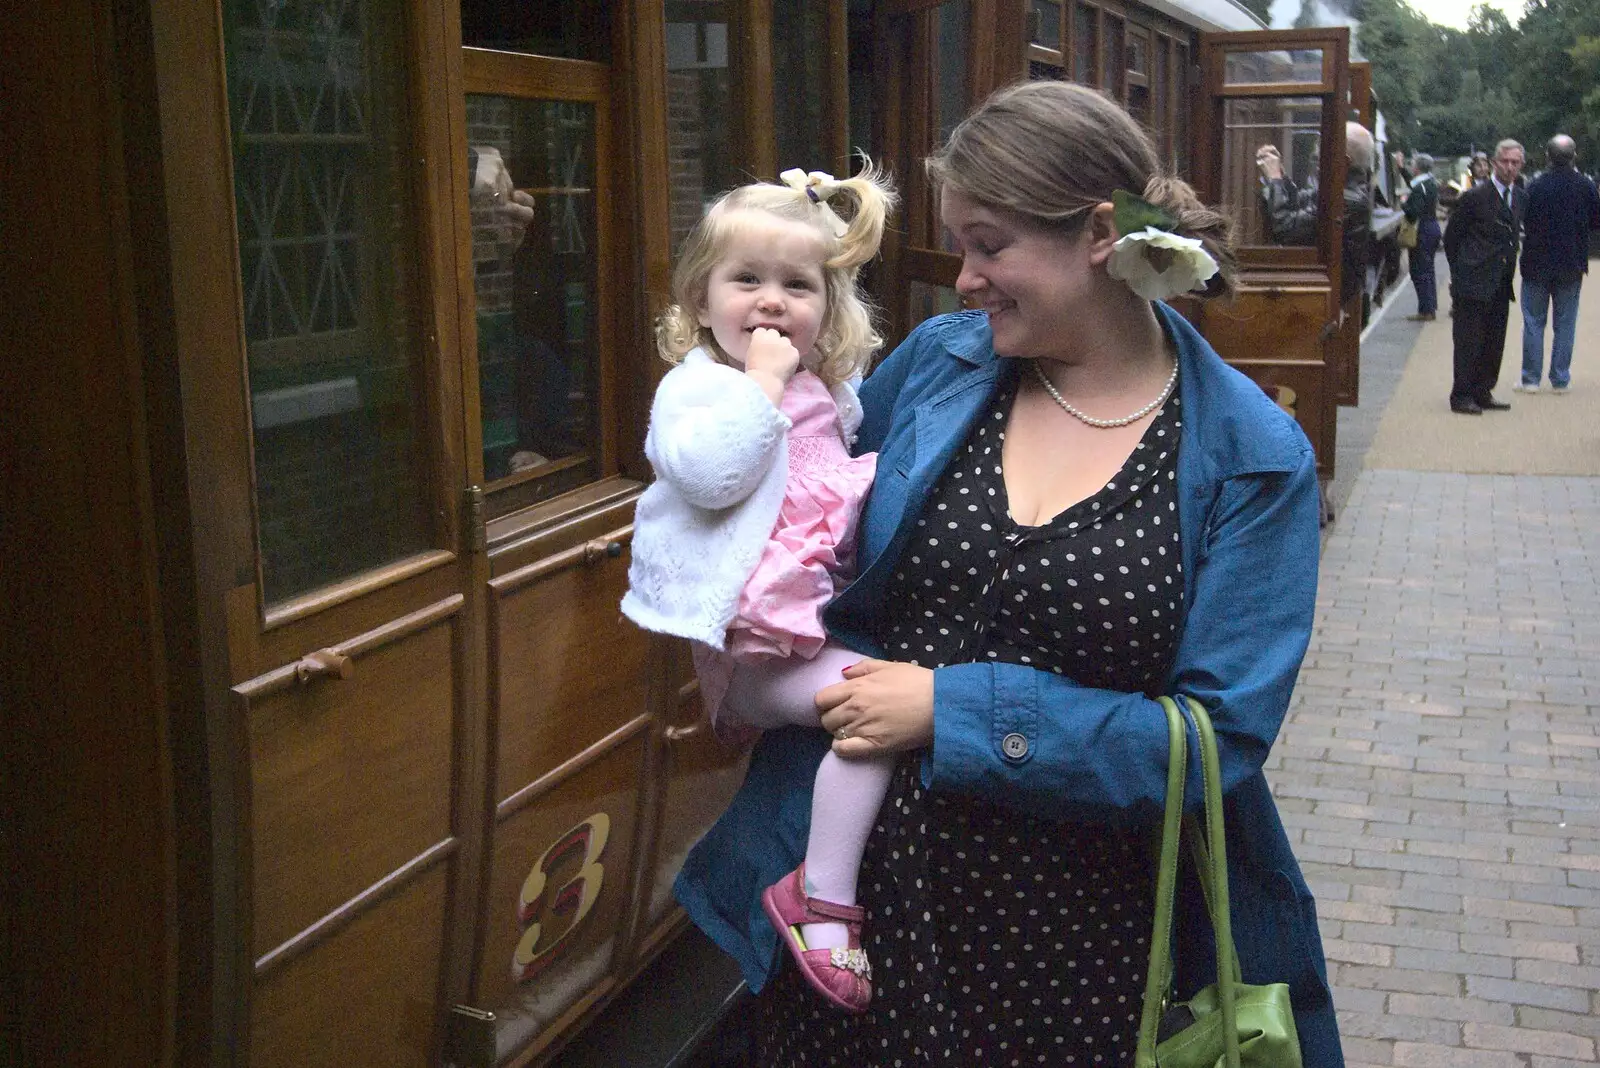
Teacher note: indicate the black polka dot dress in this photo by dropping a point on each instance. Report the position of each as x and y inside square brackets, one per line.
[997, 937]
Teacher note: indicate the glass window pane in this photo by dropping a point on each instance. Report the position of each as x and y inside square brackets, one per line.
[1181, 104]
[924, 301]
[535, 278]
[326, 209]
[1046, 23]
[565, 29]
[800, 73]
[699, 112]
[1264, 68]
[1138, 53]
[954, 94]
[1162, 103]
[1043, 72]
[1115, 68]
[1085, 44]
[1292, 125]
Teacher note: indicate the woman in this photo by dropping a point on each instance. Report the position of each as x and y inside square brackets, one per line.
[1078, 508]
[1422, 208]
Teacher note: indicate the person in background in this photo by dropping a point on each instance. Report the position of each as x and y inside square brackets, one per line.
[1422, 207]
[1481, 246]
[1079, 507]
[1292, 212]
[1562, 208]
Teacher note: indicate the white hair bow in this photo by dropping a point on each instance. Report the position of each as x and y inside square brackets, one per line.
[819, 186]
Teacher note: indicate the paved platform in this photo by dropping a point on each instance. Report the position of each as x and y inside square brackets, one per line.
[1439, 770]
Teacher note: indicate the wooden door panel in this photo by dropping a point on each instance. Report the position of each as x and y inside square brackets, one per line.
[365, 997]
[560, 892]
[701, 775]
[568, 668]
[1274, 335]
[351, 778]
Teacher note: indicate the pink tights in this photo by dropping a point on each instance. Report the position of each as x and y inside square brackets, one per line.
[847, 794]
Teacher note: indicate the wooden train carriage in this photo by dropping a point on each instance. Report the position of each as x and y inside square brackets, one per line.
[336, 464]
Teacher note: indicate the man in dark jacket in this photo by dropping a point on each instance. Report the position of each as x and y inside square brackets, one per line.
[1562, 208]
[1422, 207]
[1481, 245]
[1291, 210]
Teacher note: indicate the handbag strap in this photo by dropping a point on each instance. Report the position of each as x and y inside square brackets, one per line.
[1212, 867]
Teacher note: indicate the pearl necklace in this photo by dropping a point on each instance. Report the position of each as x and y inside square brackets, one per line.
[1105, 424]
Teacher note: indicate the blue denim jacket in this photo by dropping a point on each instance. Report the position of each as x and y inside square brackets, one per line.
[1248, 515]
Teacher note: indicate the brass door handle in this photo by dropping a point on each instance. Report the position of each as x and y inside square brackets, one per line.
[601, 549]
[324, 663]
[679, 734]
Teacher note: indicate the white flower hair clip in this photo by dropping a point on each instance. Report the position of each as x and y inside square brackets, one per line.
[819, 186]
[1155, 262]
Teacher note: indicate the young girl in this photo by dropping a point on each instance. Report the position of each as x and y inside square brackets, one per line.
[749, 529]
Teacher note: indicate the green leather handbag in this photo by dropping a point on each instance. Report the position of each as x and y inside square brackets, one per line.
[1229, 1024]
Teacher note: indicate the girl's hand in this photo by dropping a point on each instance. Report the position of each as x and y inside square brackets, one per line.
[771, 361]
[883, 706]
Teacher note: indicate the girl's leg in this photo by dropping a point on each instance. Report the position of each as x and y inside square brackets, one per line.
[781, 692]
[844, 806]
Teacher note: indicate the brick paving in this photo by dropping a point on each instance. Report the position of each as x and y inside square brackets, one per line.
[1439, 771]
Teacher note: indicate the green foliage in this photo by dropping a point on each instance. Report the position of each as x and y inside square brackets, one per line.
[1444, 90]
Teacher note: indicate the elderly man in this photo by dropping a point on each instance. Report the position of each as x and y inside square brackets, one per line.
[1562, 208]
[1481, 245]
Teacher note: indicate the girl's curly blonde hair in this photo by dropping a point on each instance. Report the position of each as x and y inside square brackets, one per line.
[846, 339]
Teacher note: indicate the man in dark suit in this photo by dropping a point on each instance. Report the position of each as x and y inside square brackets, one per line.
[1562, 208]
[1481, 246]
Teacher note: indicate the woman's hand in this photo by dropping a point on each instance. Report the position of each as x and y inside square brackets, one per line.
[883, 706]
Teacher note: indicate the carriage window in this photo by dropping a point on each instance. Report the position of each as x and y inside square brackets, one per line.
[1085, 44]
[569, 29]
[1267, 68]
[326, 208]
[700, 111]
[925, 301]
[1293, 125]
[1180, 108]
[800, 72]
[954, 92]
[535, 280]
[1045, 19]
[1115, 67]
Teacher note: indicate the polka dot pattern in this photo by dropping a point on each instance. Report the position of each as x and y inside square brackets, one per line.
[997, 937]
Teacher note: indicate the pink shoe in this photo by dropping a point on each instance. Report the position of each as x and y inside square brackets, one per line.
[842, 976]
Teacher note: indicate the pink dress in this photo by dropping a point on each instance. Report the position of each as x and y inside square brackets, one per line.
[811, 553]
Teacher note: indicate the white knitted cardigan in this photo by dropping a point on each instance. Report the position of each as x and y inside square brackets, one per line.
[721, 457]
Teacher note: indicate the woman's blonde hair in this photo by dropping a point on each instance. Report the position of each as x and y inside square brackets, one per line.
[1052, 151]
[846, 339]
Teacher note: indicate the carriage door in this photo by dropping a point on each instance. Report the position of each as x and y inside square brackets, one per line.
[1285, 88]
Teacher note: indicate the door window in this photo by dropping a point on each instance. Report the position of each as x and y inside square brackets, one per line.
[536, 283]
[700, 109]
[326, 209]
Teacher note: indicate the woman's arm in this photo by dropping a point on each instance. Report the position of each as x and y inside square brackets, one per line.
[1037, 741]
[713, 434]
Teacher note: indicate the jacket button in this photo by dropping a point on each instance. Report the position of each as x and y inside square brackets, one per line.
[1014, 746]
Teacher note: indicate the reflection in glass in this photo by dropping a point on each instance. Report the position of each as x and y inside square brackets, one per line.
[566, 29]
[1267, 68]
[700, 110]
[800, 74]
[1085, 43]
[1046, 28]
[317, 98]
[535, 284]
[924, 301]
[1292, 125]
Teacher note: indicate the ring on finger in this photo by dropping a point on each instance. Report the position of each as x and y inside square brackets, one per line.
[841, 734]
